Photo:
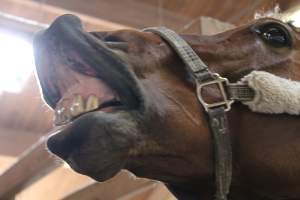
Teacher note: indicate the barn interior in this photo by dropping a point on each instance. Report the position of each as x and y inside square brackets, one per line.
[27, 170]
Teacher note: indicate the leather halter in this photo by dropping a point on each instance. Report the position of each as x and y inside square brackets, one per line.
[216, 111]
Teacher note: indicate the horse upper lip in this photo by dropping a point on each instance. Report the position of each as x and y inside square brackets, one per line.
[66, 34]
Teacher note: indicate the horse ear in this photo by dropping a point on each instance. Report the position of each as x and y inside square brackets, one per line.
[211, 26]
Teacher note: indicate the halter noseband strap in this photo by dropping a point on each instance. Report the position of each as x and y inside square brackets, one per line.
[216, 111]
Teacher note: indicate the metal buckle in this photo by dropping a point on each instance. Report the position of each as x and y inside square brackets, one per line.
[221, 83]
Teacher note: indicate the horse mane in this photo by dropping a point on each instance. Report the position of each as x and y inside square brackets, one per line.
[274, 13]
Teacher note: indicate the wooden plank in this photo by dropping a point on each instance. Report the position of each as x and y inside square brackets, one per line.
[160, 193]
[13, 142]
[142, 193]
[151, 192]
[37, 15]
[56, 185]
[157, 191]
[31, 165]
[6, 161]
[113, 189]
[128, 12]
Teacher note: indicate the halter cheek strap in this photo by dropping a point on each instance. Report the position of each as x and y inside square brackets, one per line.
[216, 111]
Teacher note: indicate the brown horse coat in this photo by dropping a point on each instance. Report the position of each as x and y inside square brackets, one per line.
[126, 102]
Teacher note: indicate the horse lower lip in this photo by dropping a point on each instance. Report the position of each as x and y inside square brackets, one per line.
[72, 164]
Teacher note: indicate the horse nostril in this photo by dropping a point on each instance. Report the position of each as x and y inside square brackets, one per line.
[60, 146]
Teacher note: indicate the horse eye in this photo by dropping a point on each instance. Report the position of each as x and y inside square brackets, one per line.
[275, 35]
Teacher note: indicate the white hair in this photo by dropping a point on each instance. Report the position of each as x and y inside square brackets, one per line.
[274, 13]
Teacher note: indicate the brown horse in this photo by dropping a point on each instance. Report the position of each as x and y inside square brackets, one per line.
[124, 100]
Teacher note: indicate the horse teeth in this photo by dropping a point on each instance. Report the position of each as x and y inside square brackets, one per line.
[65, 118]
[77, 106]
[62, 116]
[67, 111]
[57, 119]
[92, 103]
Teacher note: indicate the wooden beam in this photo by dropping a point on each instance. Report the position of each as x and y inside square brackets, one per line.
[135, 14]
[157, 191]
[6, 161]
[31, 165]
[35, 16]
[56, 185]
[115, 188]
[14, 142]
[141, 193]
[160, 192]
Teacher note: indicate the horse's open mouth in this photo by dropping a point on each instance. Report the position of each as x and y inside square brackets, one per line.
[94, 94]
[82, 98]
[79, 74]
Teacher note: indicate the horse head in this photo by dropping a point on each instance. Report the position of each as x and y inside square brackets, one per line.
[124, 100]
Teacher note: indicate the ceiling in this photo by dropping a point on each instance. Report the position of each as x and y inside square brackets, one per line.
[172, 13]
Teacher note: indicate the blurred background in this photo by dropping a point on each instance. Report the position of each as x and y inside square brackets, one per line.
[27, 172]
